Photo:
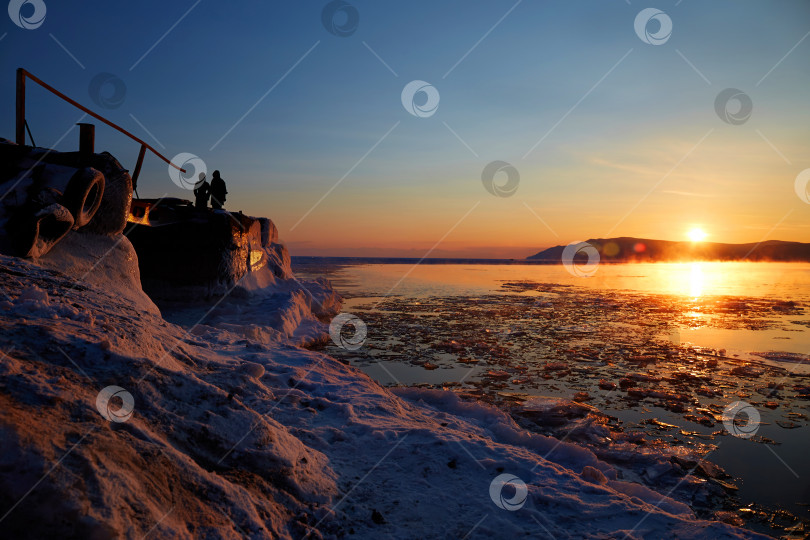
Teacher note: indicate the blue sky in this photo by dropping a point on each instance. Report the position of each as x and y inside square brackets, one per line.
[640, 153]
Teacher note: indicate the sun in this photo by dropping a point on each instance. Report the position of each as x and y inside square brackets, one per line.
[697, 234]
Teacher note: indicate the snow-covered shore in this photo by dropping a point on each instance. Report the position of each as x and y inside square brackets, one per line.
[237, 432]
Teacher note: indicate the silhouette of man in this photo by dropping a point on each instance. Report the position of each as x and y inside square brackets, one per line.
[202, 190]
[218, 191]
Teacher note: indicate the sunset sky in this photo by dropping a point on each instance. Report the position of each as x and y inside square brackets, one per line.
[610, 135]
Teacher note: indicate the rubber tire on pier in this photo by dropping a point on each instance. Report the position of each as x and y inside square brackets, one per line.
[83, 195]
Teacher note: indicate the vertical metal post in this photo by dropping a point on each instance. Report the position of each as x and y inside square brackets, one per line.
[87, 140]
[20, 127]
[137, 171]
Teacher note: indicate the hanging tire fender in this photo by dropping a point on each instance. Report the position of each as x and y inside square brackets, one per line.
[83, 194]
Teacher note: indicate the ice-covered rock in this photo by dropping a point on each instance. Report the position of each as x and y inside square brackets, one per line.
[592, 474]
[269, 231]
[185, 252]
[107, 262]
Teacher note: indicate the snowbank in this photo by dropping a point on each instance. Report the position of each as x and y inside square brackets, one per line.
[236, 432]
[107, 262]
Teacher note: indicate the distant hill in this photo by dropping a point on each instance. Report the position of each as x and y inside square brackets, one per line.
[626, 249]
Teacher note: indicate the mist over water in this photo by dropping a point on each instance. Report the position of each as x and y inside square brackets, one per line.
[789, 281]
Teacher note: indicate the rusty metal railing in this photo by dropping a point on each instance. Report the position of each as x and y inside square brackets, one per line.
[22, 75]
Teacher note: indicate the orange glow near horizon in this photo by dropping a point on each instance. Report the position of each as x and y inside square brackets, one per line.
[460, 219]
